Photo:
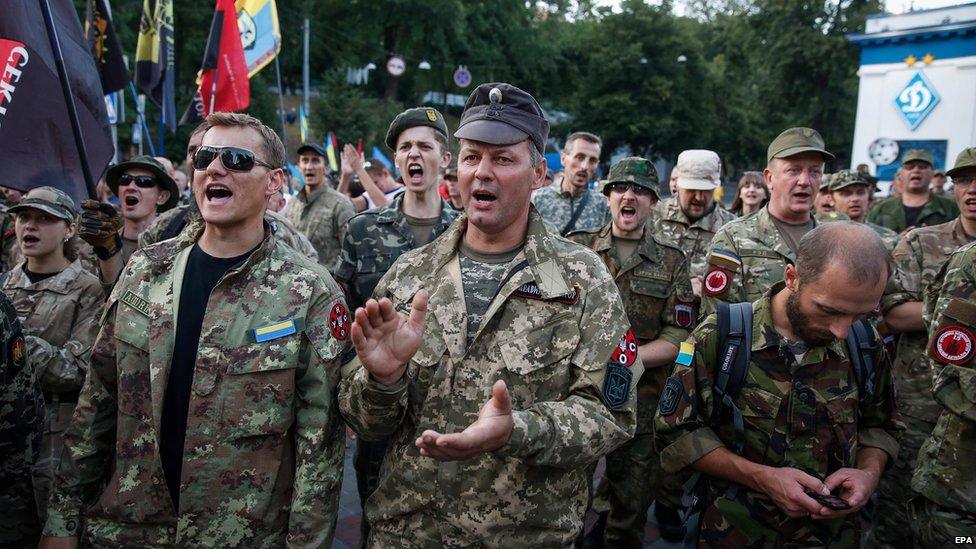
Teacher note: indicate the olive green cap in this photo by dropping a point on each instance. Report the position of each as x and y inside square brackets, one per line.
[965, 159]
[848, 178]
[49, 200]
[411, 118]
[636, 170]
[920, 155]
[795, 141]
[145, 162]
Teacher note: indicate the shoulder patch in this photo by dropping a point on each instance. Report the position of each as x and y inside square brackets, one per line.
[17, 353]
[961, 310]
[670, 396]
[619, 376]
[953, 344]
[339, 322]
[136, 302]
[684, 314]
[686, 353]
[724, 259]
[716, 281]
[530, 290]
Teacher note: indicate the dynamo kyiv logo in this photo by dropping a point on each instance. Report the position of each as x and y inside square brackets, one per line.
[916, 100]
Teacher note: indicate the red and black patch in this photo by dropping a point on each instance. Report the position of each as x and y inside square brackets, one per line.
[716, 281]
[626, 352]
[618, 377]
[339, 322]
[953, 344]
[18, 353]
[684, 315]
[530, 290]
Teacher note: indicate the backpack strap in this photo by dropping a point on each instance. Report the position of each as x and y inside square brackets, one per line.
[861, 346]
[734, 351]
[577, 212]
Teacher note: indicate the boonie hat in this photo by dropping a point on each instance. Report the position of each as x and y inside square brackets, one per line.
[501, 114]
[965, 159]
[49, 200]
[848, 178]
[794, 141]
[411, 118]
[917, 155]
[145, 162]
[636, 170]
[698, 170]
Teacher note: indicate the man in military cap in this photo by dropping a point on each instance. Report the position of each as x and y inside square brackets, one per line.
[938, 182]
[851, 193]
[572, 204]
[916, 206]
[691, 220]
[803, 423]
[824, 203]
[945, 513]
[377, 238]
[319, 211]
[653, 282]
[209, 416]
[918, 257]
[748, 256]
[513, 372]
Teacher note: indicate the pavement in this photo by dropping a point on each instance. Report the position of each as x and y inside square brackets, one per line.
[347, 528]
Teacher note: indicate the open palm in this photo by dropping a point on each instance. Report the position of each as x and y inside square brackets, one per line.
[385, 340]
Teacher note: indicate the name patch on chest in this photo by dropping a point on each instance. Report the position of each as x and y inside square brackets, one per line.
[530, 290]
[136, 302]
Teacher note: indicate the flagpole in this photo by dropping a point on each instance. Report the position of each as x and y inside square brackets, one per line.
[306, 33]
[213, 86]
[142, 117]
[281, 105]
[162, 128]
[52, 35]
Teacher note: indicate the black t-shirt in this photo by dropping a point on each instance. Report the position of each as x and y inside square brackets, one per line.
[202, 274]
[37, 277]
[911, 214]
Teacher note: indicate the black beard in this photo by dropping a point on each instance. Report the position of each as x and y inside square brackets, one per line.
[801, 323]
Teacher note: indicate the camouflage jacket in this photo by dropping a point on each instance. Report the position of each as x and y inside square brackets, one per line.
[549, 333]
[944, 470]
[918, 258]
[9, 249]
[656, 292]
[557, 206]
[373, 241]
[283, 229]
[890, 213]
[322, 217]
[747, 256]
[803, 415]
[262, 459]
[672, 227]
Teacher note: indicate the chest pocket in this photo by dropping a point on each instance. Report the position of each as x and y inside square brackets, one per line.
[539, 360]
[842, 415]
[258, 390]
[649, 287]
[132, 350]
[760, 409]
[377, 263]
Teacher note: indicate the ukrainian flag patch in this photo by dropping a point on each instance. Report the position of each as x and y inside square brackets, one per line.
[685, 354]
[277, 329]
[725, 259]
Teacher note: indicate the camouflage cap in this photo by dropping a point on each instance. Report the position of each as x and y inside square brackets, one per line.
[917, 155]
[411, 118]
[698, 170]
[163, 180]
[795, 141]
[825, 182]
[501, 114]
[965, 159]
[848, 178]
[636, 170]
[49, 200]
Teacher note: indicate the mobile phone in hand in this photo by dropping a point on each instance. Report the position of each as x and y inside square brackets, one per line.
[831, 502]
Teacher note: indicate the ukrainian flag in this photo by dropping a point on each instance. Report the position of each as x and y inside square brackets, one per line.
[303, 123]
[260, 35]
[685, 354]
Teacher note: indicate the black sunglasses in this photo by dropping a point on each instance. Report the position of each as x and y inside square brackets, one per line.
[233, 158]
[638, 190]
[143, 181]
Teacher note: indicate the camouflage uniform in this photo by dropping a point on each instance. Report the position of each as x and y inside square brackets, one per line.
[21, 430]
[557, 206]
[655, 289]
[322, 217]
[283, 229]
[848, 178]
[262, 458]
[9, 249]
[944, 472]
[549, 333]
[60, 319]
[918, 258]
[803, 415]
[889, 213]
[673, 227]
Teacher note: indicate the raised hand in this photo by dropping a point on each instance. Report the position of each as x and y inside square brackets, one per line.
[488, 433]
[385, 340]
[99, 227]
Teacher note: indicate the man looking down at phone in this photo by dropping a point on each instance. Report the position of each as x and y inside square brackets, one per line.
[810, 419]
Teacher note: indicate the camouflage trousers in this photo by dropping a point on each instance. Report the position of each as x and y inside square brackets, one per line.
[19, 524]
[627, 490]
[57, 416]
[935, 526]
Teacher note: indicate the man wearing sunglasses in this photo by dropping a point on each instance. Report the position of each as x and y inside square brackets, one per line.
[652, 278]
[319, 211]
[209, 414]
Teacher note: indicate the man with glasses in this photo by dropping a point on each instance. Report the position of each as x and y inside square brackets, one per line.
[918, 257]
[653, 282]
[209, 415]
[916, 206]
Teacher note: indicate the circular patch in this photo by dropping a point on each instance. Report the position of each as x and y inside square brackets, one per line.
[953, 345]
[339, 321]
[626, 352]
[716, 282]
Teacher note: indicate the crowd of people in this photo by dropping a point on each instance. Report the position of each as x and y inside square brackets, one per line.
[183, 356]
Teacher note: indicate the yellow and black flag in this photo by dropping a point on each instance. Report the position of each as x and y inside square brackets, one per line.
[155, 57]
[100, 34]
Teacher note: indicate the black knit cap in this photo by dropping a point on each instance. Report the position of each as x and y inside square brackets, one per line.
[411, 118]
[501, 114]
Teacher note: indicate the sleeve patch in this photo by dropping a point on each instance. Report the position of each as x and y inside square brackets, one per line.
[953, 344]
[716, 281]
[619, 376]
[684, 315]
[673, 390]
[724, 259]
[339, 322]
[685, 354]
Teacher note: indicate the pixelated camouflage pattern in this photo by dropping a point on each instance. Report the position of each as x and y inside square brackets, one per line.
[262, 460]
[652, 282]
[373, 241]
[59, 316]
[553, 356]
[634, 169]
[673, 228]
[322, 217]
[889, 213]
[557, 206]
[944, 469]
[21, 430]
[803, 415]
[480, 281]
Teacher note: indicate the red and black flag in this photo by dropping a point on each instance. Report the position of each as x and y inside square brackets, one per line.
[223, 83]
[36, 141]
[155, 58]
[105, 46]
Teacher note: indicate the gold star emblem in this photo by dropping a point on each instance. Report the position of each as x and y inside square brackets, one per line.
[928, 58]
[911, 60]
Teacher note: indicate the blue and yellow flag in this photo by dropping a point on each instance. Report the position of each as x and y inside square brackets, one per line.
[260, 35]
[303, 123]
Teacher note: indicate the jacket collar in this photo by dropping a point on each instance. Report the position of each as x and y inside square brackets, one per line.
[60, 283]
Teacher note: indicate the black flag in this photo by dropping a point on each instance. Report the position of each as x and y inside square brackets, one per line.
[155, 57]
[105, 46]
[36, 143]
